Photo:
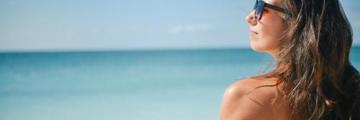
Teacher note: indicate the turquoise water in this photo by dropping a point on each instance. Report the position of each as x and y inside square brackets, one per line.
[125, 85]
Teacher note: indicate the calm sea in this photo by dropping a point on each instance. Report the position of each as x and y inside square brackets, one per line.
[124, 85]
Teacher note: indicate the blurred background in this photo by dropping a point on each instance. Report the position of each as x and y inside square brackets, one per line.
[127, 59]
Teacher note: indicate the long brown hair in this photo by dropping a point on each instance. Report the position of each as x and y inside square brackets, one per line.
[313, 64]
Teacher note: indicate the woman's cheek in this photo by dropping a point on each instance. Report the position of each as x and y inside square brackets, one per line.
[269, 40]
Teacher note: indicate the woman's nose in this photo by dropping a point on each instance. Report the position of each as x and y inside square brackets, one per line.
[250, 18]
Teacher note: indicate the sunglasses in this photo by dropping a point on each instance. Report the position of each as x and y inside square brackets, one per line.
[259, 9]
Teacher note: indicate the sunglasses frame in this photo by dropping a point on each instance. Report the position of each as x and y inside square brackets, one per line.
[259, 9]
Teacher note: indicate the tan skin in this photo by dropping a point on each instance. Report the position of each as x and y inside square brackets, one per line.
[240, 100]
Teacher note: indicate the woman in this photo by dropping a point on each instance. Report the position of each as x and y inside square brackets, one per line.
[313, 79]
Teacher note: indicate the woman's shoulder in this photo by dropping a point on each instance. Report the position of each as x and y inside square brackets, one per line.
[259, 89]
[253, 98]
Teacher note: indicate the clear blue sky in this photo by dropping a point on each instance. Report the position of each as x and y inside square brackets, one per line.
[46, 25]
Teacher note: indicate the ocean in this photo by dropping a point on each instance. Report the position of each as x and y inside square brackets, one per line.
[124, 85]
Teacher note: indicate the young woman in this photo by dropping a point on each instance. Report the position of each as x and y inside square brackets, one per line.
[313, 79]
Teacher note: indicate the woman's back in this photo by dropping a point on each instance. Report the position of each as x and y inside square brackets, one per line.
[254, 99]
[261, 99]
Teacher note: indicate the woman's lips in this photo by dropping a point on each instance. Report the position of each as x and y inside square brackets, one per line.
[253, 33]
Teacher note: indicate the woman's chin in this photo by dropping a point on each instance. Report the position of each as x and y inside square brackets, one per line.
[264, 49]
[257, 50]
[255, 46]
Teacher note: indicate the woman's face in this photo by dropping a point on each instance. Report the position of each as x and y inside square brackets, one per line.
[265, 34]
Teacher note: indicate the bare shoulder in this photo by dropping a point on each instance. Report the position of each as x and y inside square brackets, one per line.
[252, 99]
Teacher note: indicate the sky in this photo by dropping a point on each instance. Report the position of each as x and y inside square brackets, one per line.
[70, 25]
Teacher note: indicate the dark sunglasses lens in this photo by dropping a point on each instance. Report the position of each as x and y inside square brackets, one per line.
[259, 9]
[256, 4]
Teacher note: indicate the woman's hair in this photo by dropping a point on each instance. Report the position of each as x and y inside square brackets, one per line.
[313, 64]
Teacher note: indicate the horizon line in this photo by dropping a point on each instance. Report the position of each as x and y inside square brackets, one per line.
[127, 49]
